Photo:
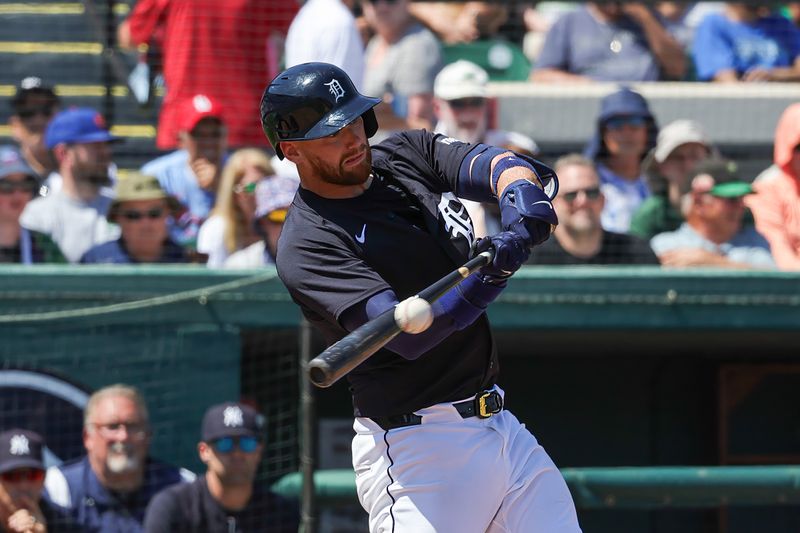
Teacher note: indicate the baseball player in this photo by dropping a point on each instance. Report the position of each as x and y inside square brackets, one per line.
[434, 450]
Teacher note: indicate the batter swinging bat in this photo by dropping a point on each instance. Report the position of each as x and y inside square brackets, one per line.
[352, 350]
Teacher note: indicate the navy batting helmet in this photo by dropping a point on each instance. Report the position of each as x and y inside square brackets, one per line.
[311, 101]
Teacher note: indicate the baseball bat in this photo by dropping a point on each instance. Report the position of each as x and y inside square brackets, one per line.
[354, 348]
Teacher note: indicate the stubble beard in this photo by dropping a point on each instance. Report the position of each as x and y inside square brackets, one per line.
[338, 175]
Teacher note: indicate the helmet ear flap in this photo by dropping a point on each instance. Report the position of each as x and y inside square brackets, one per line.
[370, 123]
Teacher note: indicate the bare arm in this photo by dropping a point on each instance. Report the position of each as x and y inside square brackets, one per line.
[124, 39]
[668, 52]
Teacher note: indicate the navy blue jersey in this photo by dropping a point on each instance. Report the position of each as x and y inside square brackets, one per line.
[406, 231]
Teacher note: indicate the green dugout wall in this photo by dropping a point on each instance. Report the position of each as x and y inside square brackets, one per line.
[609, 367]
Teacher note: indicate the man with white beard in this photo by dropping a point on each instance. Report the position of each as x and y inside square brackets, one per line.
[461, 108]
[109, 488]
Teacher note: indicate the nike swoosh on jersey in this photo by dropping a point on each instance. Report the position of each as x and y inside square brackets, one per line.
[361, 238]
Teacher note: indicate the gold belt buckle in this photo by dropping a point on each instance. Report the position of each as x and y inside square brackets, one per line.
[486, 411]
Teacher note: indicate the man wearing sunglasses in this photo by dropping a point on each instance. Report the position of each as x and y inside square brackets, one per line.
[227, 499]
[274, 195]
[22, 473]
[141, 208]
[18, 186]
[580, 238]
[33, 106]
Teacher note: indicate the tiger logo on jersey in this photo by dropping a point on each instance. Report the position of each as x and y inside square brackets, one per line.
[456, 218]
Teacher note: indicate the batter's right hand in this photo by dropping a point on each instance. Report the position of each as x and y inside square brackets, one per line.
[510, 252]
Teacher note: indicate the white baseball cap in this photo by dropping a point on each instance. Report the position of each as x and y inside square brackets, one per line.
[460, 79]
[678, 133]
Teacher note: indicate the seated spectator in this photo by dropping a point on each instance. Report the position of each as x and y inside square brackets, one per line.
[742, 44]
[538, 18]
[107, 490]
[32, 108]
[325, 31]
[580, 238]
[681, 18]
[74, 215]
[776, 207]
[626, 131]
[227, 498]
[680, 146]
[22, 509]
[460, 22]
[461, 108]
[141, 208]
[274, 195]
[614, 41]
[402, 60]
[18, 185]
[231, 225]
[713, 234]
[192, 174]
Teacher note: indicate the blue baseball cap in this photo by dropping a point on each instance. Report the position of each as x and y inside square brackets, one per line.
[12, 162]
[80, 125]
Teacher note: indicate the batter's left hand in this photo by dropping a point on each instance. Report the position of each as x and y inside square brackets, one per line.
[510, 253]
[526, 210]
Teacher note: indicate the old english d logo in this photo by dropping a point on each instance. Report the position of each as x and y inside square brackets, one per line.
[335, 88]
[455, 217]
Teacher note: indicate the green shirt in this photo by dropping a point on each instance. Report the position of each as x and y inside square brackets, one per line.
[655, 215]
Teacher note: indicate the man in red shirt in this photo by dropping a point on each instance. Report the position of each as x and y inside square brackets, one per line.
[226, 49]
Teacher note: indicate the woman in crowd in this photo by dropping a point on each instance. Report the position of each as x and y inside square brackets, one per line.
[231, 224]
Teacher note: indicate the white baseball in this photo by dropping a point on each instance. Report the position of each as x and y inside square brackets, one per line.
[413, 315]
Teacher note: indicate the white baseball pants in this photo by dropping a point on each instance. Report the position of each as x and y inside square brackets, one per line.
[456, 475]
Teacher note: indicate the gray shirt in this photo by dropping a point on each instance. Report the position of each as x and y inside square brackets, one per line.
[748, 246]
[74, 225]
[408, 68]
[579, 43]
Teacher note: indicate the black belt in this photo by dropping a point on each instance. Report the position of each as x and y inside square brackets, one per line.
[483, 405]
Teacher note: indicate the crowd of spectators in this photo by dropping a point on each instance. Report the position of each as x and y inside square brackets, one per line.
[219, 198]
[118, 486]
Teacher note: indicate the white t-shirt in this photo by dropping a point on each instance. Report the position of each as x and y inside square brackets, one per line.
[211, 241]
[253, 256]
[325, 30]
[74, 225]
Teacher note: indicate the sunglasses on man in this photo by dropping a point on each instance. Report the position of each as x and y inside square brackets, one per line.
[592, 193]
[227, 444]
[33, 475]
[134, 215]
[464, 103]
[29, 185]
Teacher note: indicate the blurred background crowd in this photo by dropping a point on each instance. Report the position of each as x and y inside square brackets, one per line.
[210, 191]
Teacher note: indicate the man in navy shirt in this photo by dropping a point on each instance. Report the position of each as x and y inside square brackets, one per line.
[370, 227]
[108, 489]
[227, 499]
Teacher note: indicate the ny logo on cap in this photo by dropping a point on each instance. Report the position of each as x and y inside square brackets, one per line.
[335, 88]
[232, 416]
[19, 445]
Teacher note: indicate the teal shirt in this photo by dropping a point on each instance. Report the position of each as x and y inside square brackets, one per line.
[655, 215]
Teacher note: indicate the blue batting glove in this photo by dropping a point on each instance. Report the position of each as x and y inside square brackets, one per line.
[528, 211]
[510, 252]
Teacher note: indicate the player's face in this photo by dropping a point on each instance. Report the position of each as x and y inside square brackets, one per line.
[343, 158]
[116, 439]
[234, 467]
[680, 163]
[465, 118]
[579, 201]
[626, 135]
